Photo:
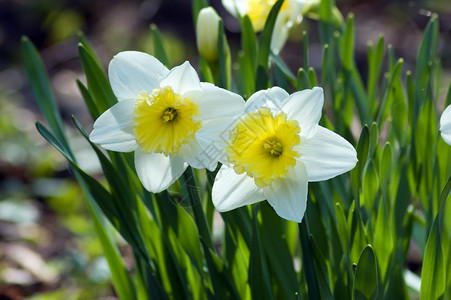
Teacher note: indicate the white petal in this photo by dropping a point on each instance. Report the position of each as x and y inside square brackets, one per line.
[295, 8]
[113, 130]
[231, 190]
[157, 171]
[182, 79]
[280, 31]
[202, 154]
[272, 98]
[445, 125]
[326, 155]
[209, 144]
[305, 107]
[236, 7]
[217, 103]
[132, 72]
[288, 196]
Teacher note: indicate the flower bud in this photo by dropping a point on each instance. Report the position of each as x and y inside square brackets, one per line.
[207, 33]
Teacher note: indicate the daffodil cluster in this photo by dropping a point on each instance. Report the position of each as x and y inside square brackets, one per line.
[270, 147]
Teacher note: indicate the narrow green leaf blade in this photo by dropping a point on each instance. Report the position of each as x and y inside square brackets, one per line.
[158, 46]
[40, 85]
[266, 35]
[433, 276]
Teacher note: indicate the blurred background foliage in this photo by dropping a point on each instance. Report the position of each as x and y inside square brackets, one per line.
[47, 246]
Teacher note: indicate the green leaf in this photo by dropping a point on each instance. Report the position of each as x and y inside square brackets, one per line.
[321, 271]
[221, 278]
[176, 217]
[261, 81]
[88, 100]
[392, 94]
[363, 147]
[259, 276]
[308, 261]
[159, 50]
[326, 25]
[342, 227]
[283, 68]
[366, 279]
[347, 44]
[190, 189]
[249, 41]
[98, 84]
[385, 166]
[121, 280]
[278, 255]
[237, 254]
[266, 35]
[312, 77]
[425, 56]
[433, 277]
[302, 81]
[370, 187]
[375, 58]
[40, 85]
[383, 240]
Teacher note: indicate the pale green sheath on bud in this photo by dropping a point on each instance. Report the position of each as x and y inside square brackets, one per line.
[207, 33]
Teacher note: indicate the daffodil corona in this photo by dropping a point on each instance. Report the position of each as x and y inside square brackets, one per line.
[262, 145]
[258, 11]
[164, 121]
[445, 125]
[167, 117]
[275, 149]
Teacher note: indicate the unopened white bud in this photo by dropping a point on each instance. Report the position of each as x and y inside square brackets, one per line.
[207, 33]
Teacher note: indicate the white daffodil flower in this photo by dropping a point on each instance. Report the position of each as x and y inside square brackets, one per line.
[258, 11]
[445, 125]
[275, 149]
[167, 117]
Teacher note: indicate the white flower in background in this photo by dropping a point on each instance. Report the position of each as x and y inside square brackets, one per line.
[207, 29]
[167, 117]
[258, 11]
[275, 149]
[445, 125]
